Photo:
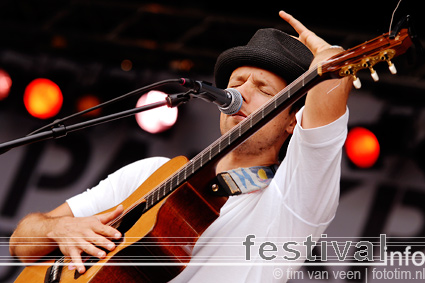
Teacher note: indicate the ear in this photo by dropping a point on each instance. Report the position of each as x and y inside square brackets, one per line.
[291, 126]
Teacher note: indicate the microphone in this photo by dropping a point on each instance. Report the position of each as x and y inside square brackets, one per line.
[229, 101]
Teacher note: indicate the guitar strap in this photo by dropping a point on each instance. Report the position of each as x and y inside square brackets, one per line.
[244, 180]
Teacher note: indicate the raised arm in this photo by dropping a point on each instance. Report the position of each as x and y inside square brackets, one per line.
[327, 101]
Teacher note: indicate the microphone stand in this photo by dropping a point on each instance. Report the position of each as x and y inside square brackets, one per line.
[58, 130]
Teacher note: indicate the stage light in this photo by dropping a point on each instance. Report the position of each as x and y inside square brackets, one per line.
[156, 120]
[362, 147]
[88, 101]
[5, 84]
[126, 65]
[43, 98]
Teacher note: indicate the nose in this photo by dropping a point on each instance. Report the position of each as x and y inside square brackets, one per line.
[245, 92]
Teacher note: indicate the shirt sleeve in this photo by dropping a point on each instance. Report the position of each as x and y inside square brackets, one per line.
[309, 177]
[115, 188]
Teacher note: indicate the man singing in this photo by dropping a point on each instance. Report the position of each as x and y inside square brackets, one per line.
[300, 199]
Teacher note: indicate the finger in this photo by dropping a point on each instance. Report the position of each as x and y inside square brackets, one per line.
[98, 241]
[296, 25]
[306, 36]
[76, 261]
[91, 248]
[107, 217]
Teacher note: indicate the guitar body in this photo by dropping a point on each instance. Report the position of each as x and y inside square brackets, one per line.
[165, 234]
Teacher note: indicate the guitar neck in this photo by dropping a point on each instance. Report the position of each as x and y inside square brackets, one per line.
[236, 135]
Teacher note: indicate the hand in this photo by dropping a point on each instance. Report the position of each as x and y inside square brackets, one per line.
[306, 36]
[318, 111]
[75, 235]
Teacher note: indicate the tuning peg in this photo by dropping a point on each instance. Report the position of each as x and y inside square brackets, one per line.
[357, 83]
[392, 68]
[374, 75]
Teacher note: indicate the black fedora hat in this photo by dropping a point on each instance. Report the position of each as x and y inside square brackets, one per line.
[268, 49]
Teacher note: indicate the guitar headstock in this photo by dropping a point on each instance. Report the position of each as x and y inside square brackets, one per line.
[365, 56]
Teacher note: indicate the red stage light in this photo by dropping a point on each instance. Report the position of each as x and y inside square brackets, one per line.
[5, 84]
[43, 98]
[156, 120]
[89, 101]
[362, 147]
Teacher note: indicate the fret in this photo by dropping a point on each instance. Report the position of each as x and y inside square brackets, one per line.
[156, 192]
[163, 191]
[202, 164]
[166, 190]
[196, 163]
[281, 99]
[155, 195]
[173, 183]
[181, 178]
[150, 201]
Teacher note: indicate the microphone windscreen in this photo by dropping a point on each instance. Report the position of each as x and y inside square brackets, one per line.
[236, 103]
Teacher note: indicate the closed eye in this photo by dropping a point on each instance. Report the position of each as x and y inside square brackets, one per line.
[266, 92]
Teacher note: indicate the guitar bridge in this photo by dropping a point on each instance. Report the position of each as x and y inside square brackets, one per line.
[53, 273]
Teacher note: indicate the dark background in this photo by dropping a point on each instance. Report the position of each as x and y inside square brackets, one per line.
[81, 44]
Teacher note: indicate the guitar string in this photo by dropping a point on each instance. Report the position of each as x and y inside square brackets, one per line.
[392, 17]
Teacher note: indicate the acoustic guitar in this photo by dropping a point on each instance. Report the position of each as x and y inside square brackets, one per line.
[165, 216]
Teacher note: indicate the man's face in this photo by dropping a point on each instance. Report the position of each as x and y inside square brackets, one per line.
[257, 86]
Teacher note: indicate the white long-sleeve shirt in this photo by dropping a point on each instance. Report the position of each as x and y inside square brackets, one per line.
[300, 201]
